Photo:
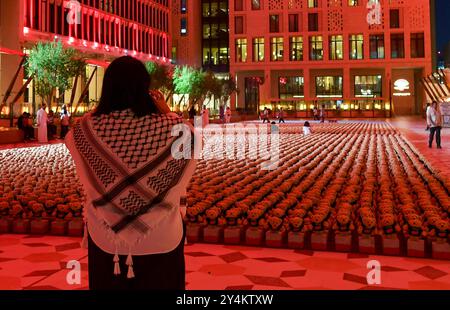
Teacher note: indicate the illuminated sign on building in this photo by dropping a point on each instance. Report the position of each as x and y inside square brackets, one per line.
[400, 86]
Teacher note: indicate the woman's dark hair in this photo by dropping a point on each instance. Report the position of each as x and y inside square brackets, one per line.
[126, 86]
[306, 124]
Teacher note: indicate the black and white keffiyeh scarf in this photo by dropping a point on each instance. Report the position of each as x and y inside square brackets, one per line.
[130, 164]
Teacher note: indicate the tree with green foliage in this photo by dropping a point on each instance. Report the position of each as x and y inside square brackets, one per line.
[161, 78]
[189, 81]
[54, 67]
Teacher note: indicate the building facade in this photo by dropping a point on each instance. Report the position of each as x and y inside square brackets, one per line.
[101, 29]
[356, 57]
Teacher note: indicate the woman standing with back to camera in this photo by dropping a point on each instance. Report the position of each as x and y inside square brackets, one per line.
[133, 185]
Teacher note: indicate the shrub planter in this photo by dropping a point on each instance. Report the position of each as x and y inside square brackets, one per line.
[233, 235]
[39, 227]
[193, 233]
[212, 234]
[254, 236]
[75, 228]
[319, 241]
[391, 245]
[343, 242]
[275, 239]
[296, 240]
[21, 226]
[367, 244]
[415, 247]
[58, 228]
[440, 249]
[5, 225]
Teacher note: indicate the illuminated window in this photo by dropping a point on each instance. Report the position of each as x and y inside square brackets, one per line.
[356, 46]
[296, 48]
[291, 87]
[329, 86]
[377, 46]
[277, 49]
[417, 45]
[397, 45]
[336, 47]
[241, 50]
[183, 6]
[183, 28]
[313, 3]
[353, 2]
[368, 86]
[258, 49]
[315, 48]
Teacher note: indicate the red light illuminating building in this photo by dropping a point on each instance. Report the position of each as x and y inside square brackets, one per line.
[101, 29]
[356, 57]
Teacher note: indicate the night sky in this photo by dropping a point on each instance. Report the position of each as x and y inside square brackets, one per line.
[442, 23]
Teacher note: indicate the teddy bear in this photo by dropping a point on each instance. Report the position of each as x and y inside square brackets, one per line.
[277, 212]
[388, 224]
[369, 224]
[4, 208]
[275, 222]
[212, 214]
[37, 209]
[441, 229]
[16, 210]
[343, 223]
[413, 227]
[296, 223]
[62, 210]
[76, 208]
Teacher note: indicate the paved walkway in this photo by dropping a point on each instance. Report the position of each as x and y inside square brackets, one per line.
[39, 263]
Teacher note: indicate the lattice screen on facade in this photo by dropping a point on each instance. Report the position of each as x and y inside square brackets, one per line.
[295, 4]
[416, 16]
[335, 20]
[334, 3]
[276, 4]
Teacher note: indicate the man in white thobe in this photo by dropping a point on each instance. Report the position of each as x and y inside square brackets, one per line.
[42, 124]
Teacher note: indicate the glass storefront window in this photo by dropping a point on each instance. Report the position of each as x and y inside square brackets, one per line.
[329, 86]
[368, 86]
[290, 87]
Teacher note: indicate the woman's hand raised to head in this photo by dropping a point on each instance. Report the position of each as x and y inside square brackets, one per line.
[160, 103]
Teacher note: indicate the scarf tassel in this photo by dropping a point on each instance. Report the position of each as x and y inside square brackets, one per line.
[129, 263]
[84, 242]
[116, 265]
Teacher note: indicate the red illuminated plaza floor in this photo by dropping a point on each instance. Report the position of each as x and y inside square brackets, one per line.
[33, 262]
[30, 262]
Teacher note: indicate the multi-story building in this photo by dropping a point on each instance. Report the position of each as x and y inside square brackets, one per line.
[356, 57]
[101, 29]
[201, 40]
[186, 34]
